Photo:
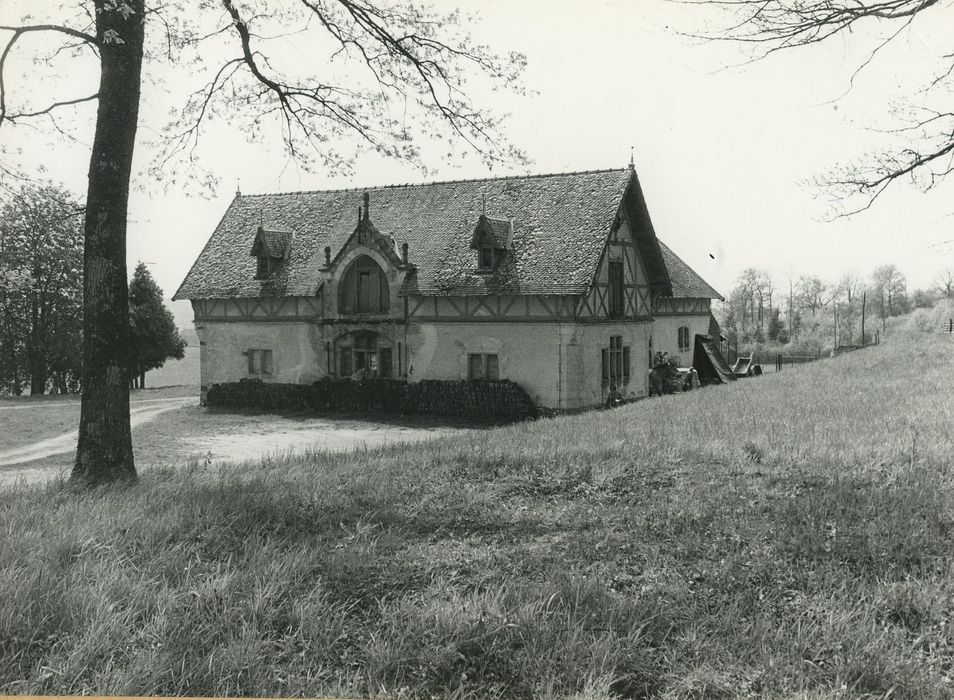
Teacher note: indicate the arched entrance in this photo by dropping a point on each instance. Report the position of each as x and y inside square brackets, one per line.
[364, 355]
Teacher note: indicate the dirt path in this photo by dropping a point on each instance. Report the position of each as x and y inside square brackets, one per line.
[189, 433]
[66, 442]
[70, 404]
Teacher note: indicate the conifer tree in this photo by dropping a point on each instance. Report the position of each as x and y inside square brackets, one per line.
[154, 336]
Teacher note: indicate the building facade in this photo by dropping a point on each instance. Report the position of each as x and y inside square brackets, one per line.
[555, 282]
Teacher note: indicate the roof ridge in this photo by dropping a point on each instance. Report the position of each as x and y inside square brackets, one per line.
[435, 182]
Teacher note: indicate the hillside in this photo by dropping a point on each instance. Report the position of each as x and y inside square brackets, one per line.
[786, 535]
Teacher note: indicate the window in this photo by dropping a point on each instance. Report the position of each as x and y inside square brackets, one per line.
[260, 362]
[486, 261]
[615, 362]
[616, 298]
[364, 288]
[683, 338]
[266, 266]
[483, 366]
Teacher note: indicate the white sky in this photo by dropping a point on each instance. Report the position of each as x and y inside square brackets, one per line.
[725, 155]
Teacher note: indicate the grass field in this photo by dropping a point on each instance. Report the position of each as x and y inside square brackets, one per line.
[783, 536]
[184, 372]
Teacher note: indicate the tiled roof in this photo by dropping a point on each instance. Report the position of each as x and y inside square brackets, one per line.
[500, 230]
[275, 243]
[685, 281]
[561, 223]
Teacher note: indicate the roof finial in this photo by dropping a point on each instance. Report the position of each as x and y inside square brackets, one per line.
[483, 204]
[238, 187]
[367, 206]
[632, 164]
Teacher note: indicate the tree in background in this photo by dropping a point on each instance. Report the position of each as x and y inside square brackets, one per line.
[811, 293]
[944, 283]
[155, 337]
[750, 301]
[888, 286]
[41, 258]
[846, 297]
[412, 70]
[777, 333]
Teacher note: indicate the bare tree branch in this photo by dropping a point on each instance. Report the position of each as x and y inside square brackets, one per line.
[19, 31]
[64, 103]
[776, 25]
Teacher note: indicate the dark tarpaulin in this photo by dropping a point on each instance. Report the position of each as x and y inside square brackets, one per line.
[709, 363]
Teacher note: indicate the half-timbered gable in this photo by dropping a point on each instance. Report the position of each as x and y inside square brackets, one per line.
[550, 281]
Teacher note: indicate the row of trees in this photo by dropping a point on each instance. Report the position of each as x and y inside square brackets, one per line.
[41, 298]
[758, 310]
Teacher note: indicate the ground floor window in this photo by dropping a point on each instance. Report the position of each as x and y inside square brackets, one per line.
[683, 338]
[260, 362]
[364, 355]
[615, 361]
[483, 366]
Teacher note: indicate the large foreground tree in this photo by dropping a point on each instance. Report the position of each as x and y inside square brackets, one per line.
[332, 76]
[920, 148]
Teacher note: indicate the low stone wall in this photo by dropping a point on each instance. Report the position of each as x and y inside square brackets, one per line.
[485, 401]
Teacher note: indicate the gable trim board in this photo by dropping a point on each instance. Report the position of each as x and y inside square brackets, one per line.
[546, 304]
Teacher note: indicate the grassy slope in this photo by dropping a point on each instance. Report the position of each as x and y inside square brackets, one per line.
[786, 535]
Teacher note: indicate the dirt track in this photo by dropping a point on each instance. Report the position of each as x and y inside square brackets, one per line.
[66, 442]
[214, 440]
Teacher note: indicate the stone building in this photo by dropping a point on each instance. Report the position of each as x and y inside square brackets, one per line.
[556, 282]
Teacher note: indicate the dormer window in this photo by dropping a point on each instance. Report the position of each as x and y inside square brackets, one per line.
[492, 239]
[266, 266]
[271, 248]
[486, 260]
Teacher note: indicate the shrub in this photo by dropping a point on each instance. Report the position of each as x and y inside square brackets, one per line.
[487, 401]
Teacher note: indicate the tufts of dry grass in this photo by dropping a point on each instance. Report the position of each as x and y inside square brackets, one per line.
[784, 536]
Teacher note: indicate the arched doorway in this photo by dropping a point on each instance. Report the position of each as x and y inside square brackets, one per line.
[364, 355]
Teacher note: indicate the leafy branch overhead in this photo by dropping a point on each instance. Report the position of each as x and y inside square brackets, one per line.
[921, 149]
[336, 77]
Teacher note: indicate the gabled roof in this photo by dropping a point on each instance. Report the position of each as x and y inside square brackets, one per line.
[685, 281]
[561, 223]
[499, 230]
[271, 244]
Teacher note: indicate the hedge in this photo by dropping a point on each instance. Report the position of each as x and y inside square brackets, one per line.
[487, 401]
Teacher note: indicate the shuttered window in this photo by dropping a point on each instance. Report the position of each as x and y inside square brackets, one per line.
[614, 362]
[683, 338]
[260, 362]
[616, 298]
[364, 288]
[483, 366]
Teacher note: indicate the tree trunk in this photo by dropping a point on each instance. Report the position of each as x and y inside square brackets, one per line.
[104, 451]
[142, 378]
